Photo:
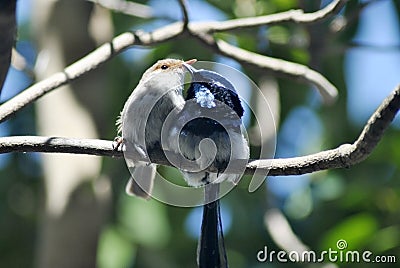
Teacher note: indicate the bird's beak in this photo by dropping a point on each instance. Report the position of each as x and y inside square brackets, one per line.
[189, 67]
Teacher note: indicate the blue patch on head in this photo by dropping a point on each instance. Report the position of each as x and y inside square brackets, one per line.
[205, 98]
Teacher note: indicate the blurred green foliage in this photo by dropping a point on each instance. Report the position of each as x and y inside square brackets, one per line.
[360, 204]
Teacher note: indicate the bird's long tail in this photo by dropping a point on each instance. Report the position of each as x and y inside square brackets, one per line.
[211, 248]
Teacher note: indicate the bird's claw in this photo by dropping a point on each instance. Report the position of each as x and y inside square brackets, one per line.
[118, 143]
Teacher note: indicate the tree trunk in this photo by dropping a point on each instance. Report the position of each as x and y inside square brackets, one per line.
[76, 197]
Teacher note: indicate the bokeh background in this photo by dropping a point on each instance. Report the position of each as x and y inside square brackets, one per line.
[72, 211]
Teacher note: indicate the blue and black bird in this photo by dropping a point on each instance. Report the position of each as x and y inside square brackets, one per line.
[211, 134]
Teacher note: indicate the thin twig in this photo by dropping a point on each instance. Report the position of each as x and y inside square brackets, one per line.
[345, 155]
[183, 5]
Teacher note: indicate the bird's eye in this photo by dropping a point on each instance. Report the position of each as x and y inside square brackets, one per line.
[164, 67]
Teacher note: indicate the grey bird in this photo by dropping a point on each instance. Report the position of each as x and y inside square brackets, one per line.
[141, 120]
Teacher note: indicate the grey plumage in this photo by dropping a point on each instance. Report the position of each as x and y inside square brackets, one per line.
[157, 94]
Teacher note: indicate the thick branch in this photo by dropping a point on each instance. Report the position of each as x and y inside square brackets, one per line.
[343, 156]
[57, 145]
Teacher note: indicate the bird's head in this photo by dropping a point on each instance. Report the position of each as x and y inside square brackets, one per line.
[166, 74]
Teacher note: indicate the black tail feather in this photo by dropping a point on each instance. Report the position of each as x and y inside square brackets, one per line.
[211, 249]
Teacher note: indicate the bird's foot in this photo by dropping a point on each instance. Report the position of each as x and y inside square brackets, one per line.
[118, 143]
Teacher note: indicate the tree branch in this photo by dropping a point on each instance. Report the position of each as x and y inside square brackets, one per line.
[58, 145]
[105, 52]
[281, 67]
[126, 7]
[183, 5]
[125, 40]
[90, 62]
[296, 16]
[345, 155]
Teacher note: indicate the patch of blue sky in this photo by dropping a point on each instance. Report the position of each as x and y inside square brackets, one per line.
[373, 71]
[172, 10]
[24, 11]
[16, 81]
[193, 221]
[28, 51]
[137, 54]
[300, 134]
[285, 186]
